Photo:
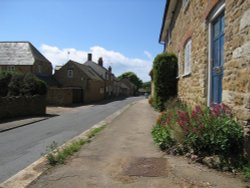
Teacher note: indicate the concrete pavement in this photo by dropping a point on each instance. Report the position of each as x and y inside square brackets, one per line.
[123, 155]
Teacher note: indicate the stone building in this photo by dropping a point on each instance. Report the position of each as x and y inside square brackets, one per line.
[105, 74]
[211, 39]
[23, 57]
[78, 84]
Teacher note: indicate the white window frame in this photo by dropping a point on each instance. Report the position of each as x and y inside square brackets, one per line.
[179, 65]
[11, 68]
[70, 73]
[188, 58]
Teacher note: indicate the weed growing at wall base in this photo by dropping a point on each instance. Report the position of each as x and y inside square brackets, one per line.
[56, 155]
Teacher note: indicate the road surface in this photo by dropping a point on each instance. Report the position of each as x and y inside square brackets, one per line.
[24, 145]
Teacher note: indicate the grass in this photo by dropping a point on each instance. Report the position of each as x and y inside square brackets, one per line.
[95, 131]
[246, 173]
[58, 156]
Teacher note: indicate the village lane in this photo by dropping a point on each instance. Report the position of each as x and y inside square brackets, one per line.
[21, 146]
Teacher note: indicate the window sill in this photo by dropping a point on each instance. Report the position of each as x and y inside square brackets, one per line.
[186, 75]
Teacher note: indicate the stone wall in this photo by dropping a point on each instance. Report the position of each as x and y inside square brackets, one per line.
[64, 96]
[45, 68]
[95, 91]
[18, 68]
[22, 106]
[192, 22]
[236, 83]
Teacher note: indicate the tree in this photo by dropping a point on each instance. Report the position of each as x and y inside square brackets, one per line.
[147, 86]
[132, 77]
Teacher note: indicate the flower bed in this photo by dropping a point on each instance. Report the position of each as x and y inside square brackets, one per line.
[201, 132]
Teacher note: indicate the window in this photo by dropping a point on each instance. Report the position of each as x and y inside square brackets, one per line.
[11, 68]
[70, 73]
[187, 57]
[39, 68]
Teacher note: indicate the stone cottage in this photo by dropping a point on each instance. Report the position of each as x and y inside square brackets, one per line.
[211, 39]
[78, 84]
[105, 74]
[23, 57]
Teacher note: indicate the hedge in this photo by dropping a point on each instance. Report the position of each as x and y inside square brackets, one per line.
[18, 84]
[165, 68]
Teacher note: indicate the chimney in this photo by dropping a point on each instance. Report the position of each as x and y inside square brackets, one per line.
[89, 56]
[110, 69]
[100, 62]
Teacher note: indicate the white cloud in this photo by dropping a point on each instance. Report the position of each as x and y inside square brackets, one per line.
[119, 62]
[148, 54]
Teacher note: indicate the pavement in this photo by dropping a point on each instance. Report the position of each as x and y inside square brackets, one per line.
[123, 155]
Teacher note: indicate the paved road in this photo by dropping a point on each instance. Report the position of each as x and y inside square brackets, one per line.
[22, 146]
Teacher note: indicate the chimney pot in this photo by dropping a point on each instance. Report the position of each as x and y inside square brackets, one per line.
[110, 69]
[89, 57]
[100, 62]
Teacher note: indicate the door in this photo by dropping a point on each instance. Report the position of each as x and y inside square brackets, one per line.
[217, 48]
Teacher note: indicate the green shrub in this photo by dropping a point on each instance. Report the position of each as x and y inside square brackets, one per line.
[33, 86]
[5, 78]
[16, 84]
[162, 137]
[164, 76]
[205, 131]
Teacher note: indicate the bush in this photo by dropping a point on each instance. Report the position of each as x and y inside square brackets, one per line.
[205, 131]
[16, 84]
[164, 76]
[5, 78]
[33, 86]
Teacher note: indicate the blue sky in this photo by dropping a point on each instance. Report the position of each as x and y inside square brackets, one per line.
[124, 32]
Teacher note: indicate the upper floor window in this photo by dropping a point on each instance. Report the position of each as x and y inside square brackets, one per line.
[39, 68]
[11, 68]
[188, 57]
[70, 73]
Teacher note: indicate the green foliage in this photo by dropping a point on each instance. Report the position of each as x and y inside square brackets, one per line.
[5, 78]
[164, 76]
[161, 137]
[132, 78]
[56, 155]
[147, 86]
[246, 172]
[205, 131]
[16, 84]
[95, 131]
[32, 86]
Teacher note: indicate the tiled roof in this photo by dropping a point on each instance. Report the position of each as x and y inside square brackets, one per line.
[19, 53]
[97, 68]
[87, 70]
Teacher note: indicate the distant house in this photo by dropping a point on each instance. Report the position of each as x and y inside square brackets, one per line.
[130, 86]
[82, 83]
[212, 42]
[105, 74]
[23, 57]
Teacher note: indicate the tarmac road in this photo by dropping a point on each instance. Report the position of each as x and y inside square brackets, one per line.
[22, 146]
